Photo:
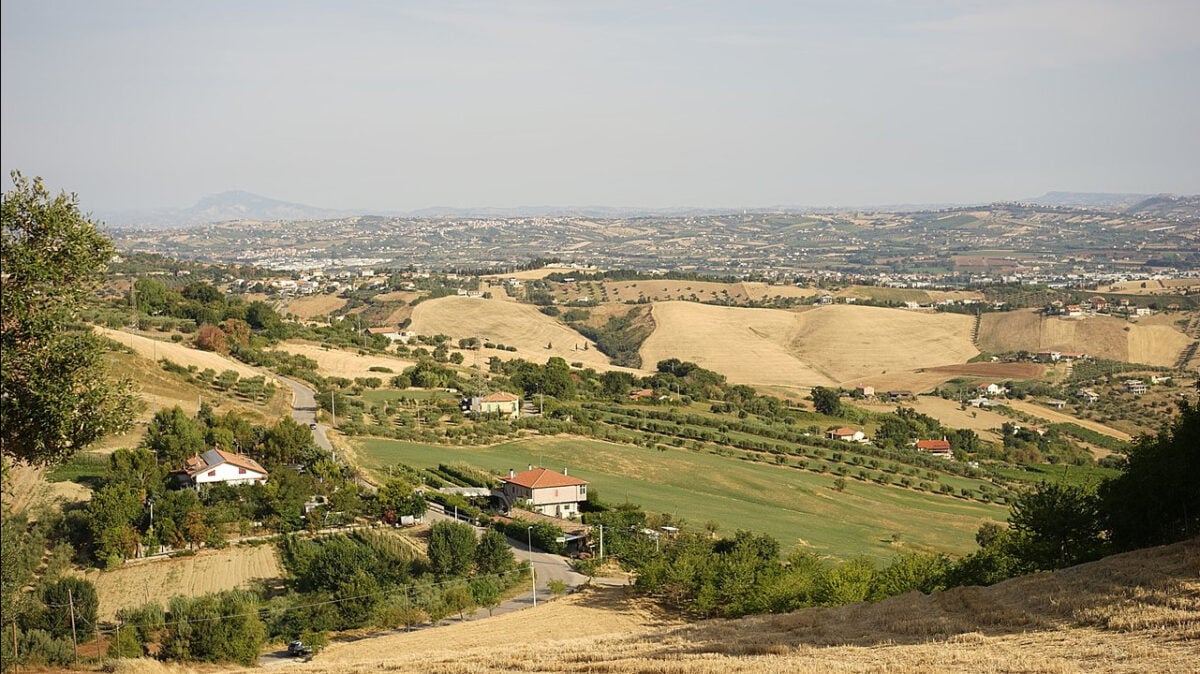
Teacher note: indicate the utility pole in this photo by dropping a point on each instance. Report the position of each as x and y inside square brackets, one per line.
[333, 408]
[532, 576]
[602, 542]
[74, 638]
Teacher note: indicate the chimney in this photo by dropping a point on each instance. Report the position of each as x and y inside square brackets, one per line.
[531, 466]
[512, 473]
[564, 471]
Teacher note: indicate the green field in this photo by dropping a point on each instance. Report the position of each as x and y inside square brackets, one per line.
[794, 506]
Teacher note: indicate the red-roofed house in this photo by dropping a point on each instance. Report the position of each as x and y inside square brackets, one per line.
[500, 402]
[548, 492]
[847, 434]
[218, 466]
[935, 448]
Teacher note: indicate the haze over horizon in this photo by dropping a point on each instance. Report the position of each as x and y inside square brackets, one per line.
[402, 107]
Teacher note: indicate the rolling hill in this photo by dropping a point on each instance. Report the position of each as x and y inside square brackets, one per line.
[1135, 612]
[1100, 336]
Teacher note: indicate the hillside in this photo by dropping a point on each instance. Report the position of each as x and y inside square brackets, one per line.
[1135, 612]
[509, 323]
[821, 346]
[1100, 336]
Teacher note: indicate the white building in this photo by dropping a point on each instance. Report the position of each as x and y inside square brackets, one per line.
[217, 466]
[548, 492]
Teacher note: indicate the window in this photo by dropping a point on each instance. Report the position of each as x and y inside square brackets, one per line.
[241, 471]
[212, 473]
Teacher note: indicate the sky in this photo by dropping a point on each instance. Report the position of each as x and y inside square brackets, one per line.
[404, 105]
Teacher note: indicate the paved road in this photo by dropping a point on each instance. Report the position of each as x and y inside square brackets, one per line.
[304, 410]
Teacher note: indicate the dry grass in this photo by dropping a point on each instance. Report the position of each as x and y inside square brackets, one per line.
[181, 354]
[1100, 336]
[1055, 416]
[305, 308]
[333, 362]
[26, 490]
[155, 581]
[984, 422]
[837, 344]
[1165, 287]
[509, 323]
[1138, 612]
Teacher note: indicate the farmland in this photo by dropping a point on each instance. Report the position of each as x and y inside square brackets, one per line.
[797, 507]
[155, 581]
[1070, 621]
[334, 362]
[1098, 336]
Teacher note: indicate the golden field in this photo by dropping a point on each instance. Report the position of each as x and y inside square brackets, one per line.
[1148, 341]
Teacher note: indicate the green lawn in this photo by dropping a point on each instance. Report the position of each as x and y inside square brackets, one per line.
[1074, 475]
[796, 507]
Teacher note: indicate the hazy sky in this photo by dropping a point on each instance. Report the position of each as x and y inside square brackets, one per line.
[400, 105]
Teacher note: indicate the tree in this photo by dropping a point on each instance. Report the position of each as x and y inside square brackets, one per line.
[212, 338]
[1156, 500]
[457, 599]
[1058, 525]
[451, 548]
[55, 393]
[60, 596]
[826, 401]
[173, 436]
[486, 593]
[493, 556]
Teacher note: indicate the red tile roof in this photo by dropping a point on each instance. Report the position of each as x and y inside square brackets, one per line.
[540, 478]
[215, 457]
[933, 445]
[843, 431]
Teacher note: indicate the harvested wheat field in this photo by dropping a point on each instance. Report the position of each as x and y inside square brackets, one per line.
[748, 346]
[1163, 287]
[1099, 336]
[305, 308]
[177, 353]
[666, 290]
[26, 490]
[334, 362]
[822, 346]
[157, 580]
[1138, 612]
[509, 323]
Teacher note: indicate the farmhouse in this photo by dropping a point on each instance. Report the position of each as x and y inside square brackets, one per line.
[847, 434]
[391, 334]
[1049, 356]
[501, 402]
[547, 492]
[991, 389]
[642, 394]
[1087, 395]
[1136, 386]
[217, 466]
[939, 448]
[865, 391]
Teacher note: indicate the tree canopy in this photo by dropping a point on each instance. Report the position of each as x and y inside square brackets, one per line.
[55, 393]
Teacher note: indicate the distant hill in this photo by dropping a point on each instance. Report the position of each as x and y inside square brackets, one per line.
[1168, 207]
[222, 207]
[1102, 200]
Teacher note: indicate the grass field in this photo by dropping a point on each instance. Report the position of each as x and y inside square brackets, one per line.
[305, 308]
[342, 363]
[794, 506]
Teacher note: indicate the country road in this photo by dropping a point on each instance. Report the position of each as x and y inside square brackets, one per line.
[304, 410]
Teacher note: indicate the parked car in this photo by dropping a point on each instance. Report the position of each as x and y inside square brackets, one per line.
[297, 649]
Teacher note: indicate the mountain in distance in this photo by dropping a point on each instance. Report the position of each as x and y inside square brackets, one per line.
[1168, 207]
[222, 207]
[1099, 200]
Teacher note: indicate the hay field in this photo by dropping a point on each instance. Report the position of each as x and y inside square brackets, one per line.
[26, 490]
[1100, 336]
[333, 362]
[155, 581]
[666, 290]
[305, 308]
[1164, 287]
[154, 349]
[1138, 612]
[835, 344]
[510, 323]
[748, 346]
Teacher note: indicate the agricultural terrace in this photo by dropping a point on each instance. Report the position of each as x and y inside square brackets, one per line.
[795, 506]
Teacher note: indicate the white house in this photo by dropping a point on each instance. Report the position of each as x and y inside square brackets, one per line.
[501, 402]
[991, 389]
[217, 466]
[548, 492]
[847, 434]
